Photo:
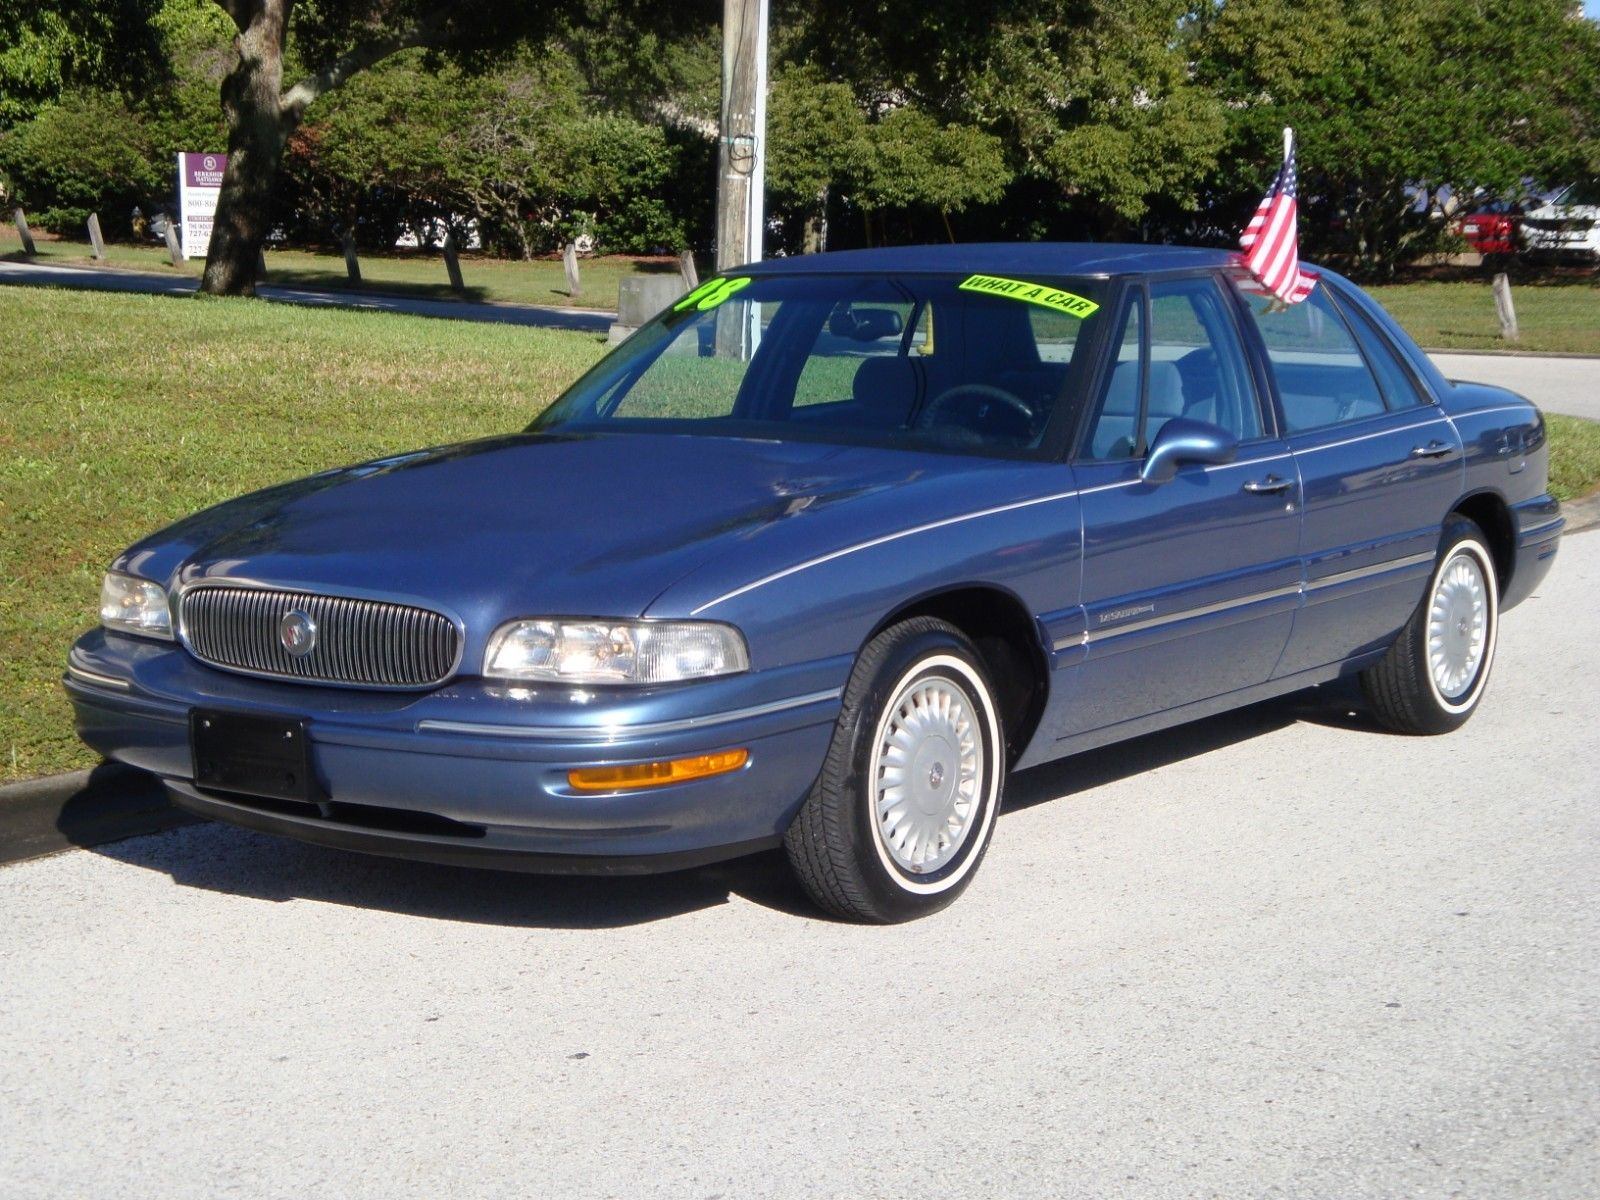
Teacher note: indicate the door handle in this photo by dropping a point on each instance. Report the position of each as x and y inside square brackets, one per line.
[1269, 486]
[1434, 449]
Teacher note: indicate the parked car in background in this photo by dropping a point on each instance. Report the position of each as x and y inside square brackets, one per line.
[1566, 226]
[819, 556]
[1491, 229]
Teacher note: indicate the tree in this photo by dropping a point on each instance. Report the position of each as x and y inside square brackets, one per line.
[1396, 103]
[1092, 98]
[87, 153]
[817, 140]
[334, 40]
[912, 161]
[50, 46]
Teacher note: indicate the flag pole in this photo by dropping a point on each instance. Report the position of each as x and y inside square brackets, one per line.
[1288, 142]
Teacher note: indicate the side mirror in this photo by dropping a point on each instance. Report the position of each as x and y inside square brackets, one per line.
[1184, 441]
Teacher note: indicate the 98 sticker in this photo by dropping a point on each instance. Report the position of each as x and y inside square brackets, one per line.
[711, 293]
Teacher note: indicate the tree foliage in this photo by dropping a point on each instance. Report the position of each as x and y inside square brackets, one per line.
[88, 152]
[1397, 104]
[887, 119]
[48, 47]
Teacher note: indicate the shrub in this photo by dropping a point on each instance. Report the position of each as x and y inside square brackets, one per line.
[86, 153]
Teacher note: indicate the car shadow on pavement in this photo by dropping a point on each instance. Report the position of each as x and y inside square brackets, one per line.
[225, 859]
[1337, 705]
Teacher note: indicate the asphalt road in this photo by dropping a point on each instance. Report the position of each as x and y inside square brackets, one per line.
[1557, 384]
[95, 279]
[1273, 954]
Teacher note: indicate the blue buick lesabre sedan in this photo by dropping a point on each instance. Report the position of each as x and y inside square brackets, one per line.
[819, 556]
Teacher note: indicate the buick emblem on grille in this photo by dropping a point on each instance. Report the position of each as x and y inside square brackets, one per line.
[298, 633]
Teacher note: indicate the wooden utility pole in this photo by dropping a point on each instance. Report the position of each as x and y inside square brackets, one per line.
[741, 158]
[741, 152]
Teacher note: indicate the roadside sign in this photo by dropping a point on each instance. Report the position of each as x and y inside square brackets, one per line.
[199, 182]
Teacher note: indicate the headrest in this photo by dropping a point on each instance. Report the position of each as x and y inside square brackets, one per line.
[1166, 390]
[1122, 393]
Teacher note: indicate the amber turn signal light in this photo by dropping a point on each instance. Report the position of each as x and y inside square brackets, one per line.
[656, 774]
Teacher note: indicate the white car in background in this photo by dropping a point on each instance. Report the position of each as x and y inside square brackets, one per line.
[1567, 225]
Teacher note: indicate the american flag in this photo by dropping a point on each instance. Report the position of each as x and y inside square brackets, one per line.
[1271, 242]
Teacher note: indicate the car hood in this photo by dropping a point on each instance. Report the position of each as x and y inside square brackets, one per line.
[564, 525]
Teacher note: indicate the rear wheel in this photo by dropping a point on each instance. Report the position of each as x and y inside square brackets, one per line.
[1435, 673]
[900, 816]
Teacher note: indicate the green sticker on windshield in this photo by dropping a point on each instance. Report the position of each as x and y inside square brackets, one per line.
[1031, 293]
[711, 293]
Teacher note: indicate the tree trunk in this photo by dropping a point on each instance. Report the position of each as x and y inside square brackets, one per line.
[815, 237]
[258, 128]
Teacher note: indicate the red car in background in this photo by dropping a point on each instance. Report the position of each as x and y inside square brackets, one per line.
[1490, 230]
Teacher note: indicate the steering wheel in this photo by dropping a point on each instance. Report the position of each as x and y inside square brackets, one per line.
[982, 391]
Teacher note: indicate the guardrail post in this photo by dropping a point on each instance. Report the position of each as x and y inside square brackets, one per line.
[452, 263]
[1503, 306]
[352, 266]
[23, 232]
[95, 240]
[686, 268]
[569, 260]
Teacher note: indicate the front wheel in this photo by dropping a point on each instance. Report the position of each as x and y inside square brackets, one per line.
[1435, 673]
[900, 816]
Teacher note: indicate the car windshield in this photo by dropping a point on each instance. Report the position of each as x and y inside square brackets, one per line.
[1579, 195]
[975, 363]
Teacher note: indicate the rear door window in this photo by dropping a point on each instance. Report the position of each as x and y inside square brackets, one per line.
[1323, 378]
[1397, 384]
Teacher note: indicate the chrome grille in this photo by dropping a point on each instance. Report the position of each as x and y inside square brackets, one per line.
[369, 643]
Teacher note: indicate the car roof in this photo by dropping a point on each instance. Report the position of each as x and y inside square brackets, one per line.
[1042, 258]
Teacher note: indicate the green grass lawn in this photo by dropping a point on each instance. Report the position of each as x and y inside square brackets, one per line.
[1558, 316]
[1574, 456]
[124, 412]
[506, 281]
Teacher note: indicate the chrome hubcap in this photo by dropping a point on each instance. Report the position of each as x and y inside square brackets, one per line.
[1458, 626]
[927, 771]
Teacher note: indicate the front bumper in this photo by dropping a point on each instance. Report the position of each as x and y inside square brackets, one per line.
[475, 773]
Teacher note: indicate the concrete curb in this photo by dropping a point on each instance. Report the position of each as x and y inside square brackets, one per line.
[1581, 514]
[1455, 350]
[82, 808]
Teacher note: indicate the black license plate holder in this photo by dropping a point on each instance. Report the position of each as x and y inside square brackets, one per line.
[252, 755]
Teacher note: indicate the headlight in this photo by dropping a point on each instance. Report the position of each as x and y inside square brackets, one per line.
[615, 651]
[131, 605]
